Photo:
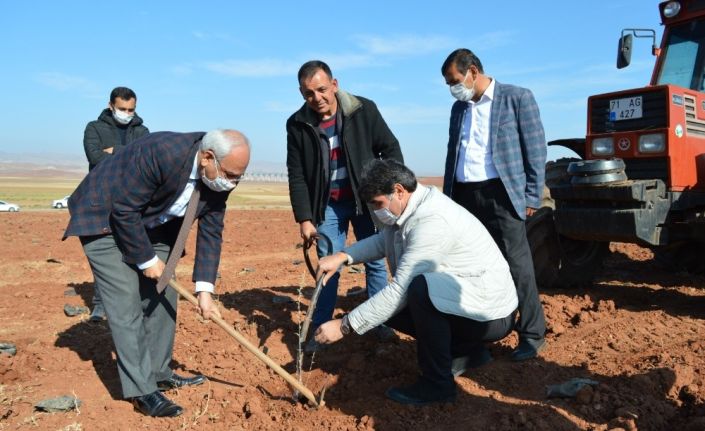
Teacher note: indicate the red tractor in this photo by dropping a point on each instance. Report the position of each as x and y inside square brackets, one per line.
[642, 175]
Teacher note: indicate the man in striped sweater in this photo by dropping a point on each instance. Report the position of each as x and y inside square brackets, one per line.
[329, 139]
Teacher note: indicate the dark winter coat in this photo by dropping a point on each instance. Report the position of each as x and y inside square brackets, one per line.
[365, 136]
[104, 133]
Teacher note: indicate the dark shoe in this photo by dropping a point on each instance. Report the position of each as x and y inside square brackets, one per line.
[98, 314]
[157, 405]
[384, 334]
[478, 357]
[176, 381]
[528, 348]
[421, 393]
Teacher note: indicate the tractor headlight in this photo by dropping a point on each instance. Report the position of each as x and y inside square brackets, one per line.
[603, 146]
[653, 143]
[671, 9]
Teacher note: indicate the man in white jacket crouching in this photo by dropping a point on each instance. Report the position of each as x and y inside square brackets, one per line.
[451, 287]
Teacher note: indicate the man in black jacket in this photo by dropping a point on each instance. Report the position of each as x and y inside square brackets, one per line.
[329, 140]
[116, 126]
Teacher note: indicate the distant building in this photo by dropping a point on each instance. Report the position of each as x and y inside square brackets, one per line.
[266, 177]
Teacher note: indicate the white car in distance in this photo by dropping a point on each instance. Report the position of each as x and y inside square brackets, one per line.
[61, 203]
[7, 206]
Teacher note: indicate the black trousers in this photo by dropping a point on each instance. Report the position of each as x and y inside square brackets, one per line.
[490, 203]
[440, 337]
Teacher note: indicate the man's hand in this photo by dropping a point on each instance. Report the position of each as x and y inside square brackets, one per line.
[530, 211]
[108, 150]
[328, 265]
[308, 231]
[154, 271]
[206, 306]
[329, 332]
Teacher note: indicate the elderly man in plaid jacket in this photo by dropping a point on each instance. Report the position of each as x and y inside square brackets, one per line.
[495, 169]
[127, 213]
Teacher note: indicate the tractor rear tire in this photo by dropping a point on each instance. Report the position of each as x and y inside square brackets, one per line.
[545, 250]
[560, 261]
[580, 261]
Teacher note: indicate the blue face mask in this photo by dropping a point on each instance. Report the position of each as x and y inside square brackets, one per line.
[385, 215]
[219, 184]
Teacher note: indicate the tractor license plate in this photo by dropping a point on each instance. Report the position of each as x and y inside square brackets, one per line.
[625, 109]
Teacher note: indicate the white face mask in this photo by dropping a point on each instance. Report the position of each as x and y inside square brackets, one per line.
[219, 184]
[122, 117]
[461, 92]
[385, 215]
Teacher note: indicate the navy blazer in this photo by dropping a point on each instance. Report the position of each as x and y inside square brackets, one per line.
[126, 192]
[517, 142]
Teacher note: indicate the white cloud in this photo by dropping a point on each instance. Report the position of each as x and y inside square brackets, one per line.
[403, 45]
[62, 82]
[371, 87]
[270, 67]
[554, 84]
[181, 70]
[346, 61]
[281, 108]
[414, 114]
[506, 70]
[374, 53]
[563, 105]
[221, 37]
[254, 68]
[491, 40]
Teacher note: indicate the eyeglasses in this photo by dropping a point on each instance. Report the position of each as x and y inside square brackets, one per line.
[233, 178]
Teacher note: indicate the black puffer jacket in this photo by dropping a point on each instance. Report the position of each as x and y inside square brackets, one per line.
[103, 133]
[365, 136]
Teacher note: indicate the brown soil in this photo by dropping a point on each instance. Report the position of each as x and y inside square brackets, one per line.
[638, 331]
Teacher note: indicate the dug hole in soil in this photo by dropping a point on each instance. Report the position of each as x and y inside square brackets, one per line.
[637, 331]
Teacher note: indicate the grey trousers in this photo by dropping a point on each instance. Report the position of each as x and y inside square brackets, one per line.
[142, 322]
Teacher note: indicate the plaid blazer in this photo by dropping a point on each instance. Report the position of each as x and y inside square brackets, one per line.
[126, 192]
[517, 141]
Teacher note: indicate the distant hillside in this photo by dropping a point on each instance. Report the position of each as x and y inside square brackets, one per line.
[75, 166]
[22, 170]
[431, 181]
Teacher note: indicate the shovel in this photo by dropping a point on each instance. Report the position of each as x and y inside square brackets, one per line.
[307, 255]
[314, 299]
[319, 285]
[304, 329]
[296, 384]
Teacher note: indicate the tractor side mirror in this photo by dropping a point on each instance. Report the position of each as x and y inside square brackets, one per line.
[624, 51]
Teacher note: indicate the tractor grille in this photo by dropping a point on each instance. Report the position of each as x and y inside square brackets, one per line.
[693, 125]
[695, 6]
[647, 169]
[654, 109]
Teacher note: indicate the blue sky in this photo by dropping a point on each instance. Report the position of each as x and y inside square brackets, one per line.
[208, 64]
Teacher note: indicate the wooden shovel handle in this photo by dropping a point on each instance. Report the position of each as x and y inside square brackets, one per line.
[249, 346]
